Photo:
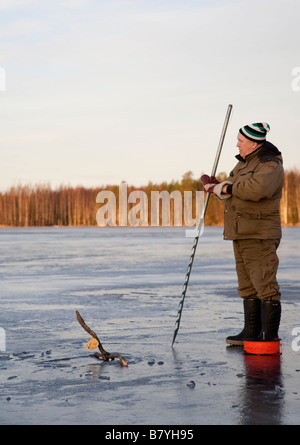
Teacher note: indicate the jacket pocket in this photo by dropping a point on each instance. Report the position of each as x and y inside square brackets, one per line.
[247, 224]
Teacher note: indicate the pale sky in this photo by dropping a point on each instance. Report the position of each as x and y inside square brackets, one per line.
[101, 91]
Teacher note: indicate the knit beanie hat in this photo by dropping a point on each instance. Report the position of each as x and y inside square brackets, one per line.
[255, 132]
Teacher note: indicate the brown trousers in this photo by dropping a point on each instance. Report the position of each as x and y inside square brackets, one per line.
[256, 266]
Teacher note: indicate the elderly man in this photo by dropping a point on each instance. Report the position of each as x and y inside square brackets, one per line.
[251, 196]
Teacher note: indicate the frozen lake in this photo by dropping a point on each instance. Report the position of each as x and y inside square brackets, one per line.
[126, 283]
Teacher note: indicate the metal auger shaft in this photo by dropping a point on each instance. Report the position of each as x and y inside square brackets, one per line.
[200, 225]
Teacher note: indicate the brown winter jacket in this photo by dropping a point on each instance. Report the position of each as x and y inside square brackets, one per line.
[252, 210]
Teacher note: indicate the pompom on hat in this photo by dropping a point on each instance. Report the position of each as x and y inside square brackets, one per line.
[255, 132]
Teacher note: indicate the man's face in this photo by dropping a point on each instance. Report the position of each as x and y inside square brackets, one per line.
[245, 146]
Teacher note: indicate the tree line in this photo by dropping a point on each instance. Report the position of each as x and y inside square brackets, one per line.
[40, 205]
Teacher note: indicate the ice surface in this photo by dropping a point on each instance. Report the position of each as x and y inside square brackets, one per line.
[126, 283]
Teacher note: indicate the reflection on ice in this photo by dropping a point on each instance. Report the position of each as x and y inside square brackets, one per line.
[262, 394]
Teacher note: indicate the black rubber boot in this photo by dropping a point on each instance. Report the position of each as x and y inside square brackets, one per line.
[252, 326]
[270, 319]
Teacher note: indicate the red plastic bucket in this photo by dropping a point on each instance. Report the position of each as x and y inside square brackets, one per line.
[263, 347]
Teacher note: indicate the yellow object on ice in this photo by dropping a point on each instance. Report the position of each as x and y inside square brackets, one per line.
[92, 344]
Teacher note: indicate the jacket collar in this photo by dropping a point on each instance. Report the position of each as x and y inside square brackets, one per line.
[250, 155]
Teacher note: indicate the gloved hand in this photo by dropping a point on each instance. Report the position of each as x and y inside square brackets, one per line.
[212, 185]
[209, 183]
